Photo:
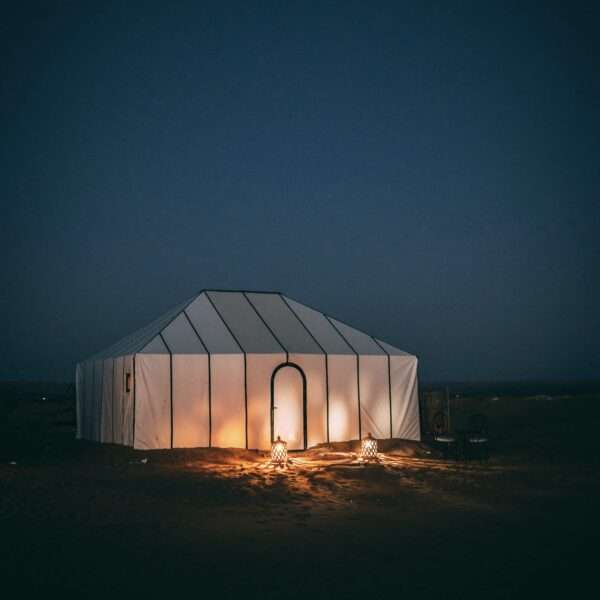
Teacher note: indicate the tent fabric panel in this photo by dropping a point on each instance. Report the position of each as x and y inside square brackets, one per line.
[127, 400]
[392, 350]
[81, 396]
[405, 398]
[98, 381]
[361, 342]
[374, 396]
[118, 388]
[181, 338]
[155, 346]
[143, 335]
[210, 327]
[82, 399]
[152, 401]
[88, 398]
[79, 387]
[131, 342]
[90, 404]
[343, 398]
[228, 401]
[107, 404]
[322, 330]
[316, 396]
[247, 327]
[284, 324]
[260, 368]
[85, 394]
[190, 401]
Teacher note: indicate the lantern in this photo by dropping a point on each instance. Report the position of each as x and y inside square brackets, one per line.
[279, 452]
[368, 448]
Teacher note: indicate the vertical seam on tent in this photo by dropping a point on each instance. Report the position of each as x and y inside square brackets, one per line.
[101, 400]
[246, 400]
[209, 378]
[112, 402]
[92, 412]
[170, 381]
[322, 350]
[209, 401]
[77, 434]
[327, 392]
[357, 371]
[89, 402]
[245, 367]
[134, 399]
[84, 404]
[389, 381]
[103, 391]
[287, 354]
[416, 383]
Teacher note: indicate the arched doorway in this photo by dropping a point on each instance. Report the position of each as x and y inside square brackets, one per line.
[288, 405]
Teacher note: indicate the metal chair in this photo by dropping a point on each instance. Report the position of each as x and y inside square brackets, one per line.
[477, 439]
[442, 438]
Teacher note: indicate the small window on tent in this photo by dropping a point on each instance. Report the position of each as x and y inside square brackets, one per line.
[127, 382]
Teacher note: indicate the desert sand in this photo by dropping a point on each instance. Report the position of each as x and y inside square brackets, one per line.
[96, 520]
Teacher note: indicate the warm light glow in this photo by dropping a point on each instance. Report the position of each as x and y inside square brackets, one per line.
[288, 415]
[368, 448]
[279, 452]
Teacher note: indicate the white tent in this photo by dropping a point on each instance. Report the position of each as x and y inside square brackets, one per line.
[237, 369]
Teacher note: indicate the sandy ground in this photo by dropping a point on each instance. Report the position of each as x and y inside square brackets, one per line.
[80, 518]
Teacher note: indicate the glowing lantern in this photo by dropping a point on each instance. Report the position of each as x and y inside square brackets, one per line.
[279, 452]
[368, 448]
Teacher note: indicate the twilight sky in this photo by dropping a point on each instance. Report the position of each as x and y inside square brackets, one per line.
[428, 173]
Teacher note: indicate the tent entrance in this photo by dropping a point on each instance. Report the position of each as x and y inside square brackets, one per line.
[288, 405]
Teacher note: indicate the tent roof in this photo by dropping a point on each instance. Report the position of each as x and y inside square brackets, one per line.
[232, 322]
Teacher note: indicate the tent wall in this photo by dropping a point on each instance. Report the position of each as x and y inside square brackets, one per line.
[107, 403]
[190, 401]
[374, 396]
[118, 379]
[343, 398]
[88, 382]
[79, 386]
[228, 401]
[128, 401]
[152, 401]
[405, 398]
[85, 404]
[98, 384]
[89, 399]
[313, 366]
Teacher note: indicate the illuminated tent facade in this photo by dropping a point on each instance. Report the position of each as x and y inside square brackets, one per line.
[237, 369]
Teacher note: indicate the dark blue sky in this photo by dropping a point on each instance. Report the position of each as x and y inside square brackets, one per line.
[429, 173]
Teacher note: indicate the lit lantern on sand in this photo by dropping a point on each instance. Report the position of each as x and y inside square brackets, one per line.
[279, 452]
[368, 448]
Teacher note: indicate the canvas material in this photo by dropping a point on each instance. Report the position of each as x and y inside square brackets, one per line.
[244, 337]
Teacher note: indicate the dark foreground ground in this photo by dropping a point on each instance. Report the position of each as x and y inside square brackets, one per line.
[90, 520]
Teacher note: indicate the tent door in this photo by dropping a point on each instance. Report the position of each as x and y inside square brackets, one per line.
[288, 405]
